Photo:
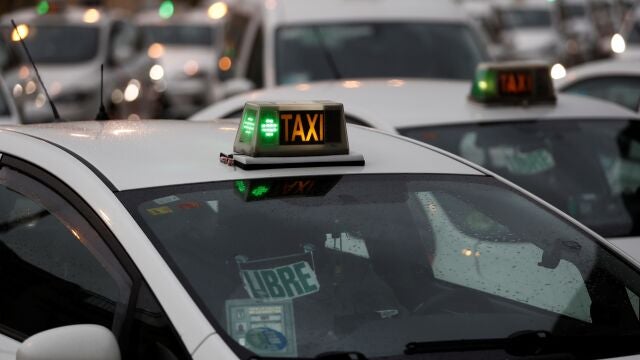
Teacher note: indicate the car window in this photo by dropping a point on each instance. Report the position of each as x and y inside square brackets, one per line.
[55, 269]
[299, 266]
[255, 71]
[80, 43]
[370, 50]
[622, 90]
[601, 190]
[634, 35]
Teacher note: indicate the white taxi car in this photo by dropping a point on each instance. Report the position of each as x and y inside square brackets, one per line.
[617, 81]
[69, 44]
[290, 235]
[186, 46]
[271, 43]
[442, 113]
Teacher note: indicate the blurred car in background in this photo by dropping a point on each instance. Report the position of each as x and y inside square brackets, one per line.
[9, 113]
[186, 46]
[69, 44]
[617, 81]
[577, 153]
[290, 41]
[630, 32]
[578, 35]
[529, 29]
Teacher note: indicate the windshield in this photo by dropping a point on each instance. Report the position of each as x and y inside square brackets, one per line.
[180, 35]
[589, 169]
[526, 18]
[634, 35]
[572, 11]
[419, 50]
[61, 43]
[294, 267]
[622, 90]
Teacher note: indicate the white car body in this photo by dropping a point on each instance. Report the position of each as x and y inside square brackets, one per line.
[395, 104]
[96, 159]
[266, 17]
[75, 86]
[615, 71]
[186, 92]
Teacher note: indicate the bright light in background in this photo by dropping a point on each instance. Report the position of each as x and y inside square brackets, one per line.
[156, 72]
[122, 131]
[191, 67]
[91, 16]
[396, 82]
[558, 71]
[618, 45]
[30, 88]
[224, 63]
[303, 87]
[40, 100]
[132, 91]
[21, 31]
[117, 96]
[17, 90]
[166, 9]
[155, 51]
[42, 7]
[24, 72]
[217, 10]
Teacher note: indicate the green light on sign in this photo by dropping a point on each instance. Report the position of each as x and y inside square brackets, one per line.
[42, 7]
[248, 125]
[485, 85]
[240, 186]
[269, 127]
[260, 191]
[166, 9]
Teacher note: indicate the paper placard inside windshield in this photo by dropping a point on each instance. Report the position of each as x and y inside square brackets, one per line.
[302, 127]
[266, 329]
[283, 282]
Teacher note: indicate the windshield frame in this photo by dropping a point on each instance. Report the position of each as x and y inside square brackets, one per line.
[131, 199]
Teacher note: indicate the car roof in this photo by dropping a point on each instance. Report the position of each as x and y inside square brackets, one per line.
[397, 103]
[333, 11]
[150, 153]
[602, 68]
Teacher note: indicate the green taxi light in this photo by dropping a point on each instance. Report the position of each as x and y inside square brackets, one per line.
[513, 83]
[313, 128]
[260, 191]
[42, 8]
[166, 9]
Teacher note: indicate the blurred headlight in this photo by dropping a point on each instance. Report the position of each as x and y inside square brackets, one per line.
[618, 45]
[191, 68]
[132, 91]
[558, 71]
[156, 72]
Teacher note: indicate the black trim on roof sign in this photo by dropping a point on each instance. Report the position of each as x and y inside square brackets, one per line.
[297, 165]
[86, 163]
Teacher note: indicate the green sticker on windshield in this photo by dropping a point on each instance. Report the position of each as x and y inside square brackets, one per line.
[280, 283]
[530, 163]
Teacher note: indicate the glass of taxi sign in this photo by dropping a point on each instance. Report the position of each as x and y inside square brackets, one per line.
[513, 83]
[304, 133]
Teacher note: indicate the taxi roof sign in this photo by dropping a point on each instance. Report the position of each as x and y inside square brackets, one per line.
[293, 134]
[513, 83]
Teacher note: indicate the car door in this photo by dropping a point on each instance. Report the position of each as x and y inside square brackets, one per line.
[60, 265]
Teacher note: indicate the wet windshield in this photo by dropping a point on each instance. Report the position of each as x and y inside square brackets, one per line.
[307, 53]
[294, 267]
[588, 169]
[180, 35]
[78, 43]
[524, 18]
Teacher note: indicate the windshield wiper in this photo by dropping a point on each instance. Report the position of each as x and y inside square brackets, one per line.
[537, 342]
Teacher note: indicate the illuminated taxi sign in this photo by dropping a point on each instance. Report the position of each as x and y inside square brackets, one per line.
[513, 83]
[273, 129]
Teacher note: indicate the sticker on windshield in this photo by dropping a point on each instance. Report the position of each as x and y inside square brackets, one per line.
[523, 163]
[279, 281]
[166, 200]
[163, 210]
[348, 244]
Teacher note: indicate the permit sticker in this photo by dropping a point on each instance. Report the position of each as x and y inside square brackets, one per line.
[283, 282]
[268, 329]
[347, 244]
[166, 200]
[522, 163]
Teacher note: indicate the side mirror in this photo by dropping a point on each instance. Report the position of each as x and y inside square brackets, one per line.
[236, 86]
[75, 342]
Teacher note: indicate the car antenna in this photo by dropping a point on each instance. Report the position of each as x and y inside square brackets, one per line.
[56, 115]
[102, 112]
